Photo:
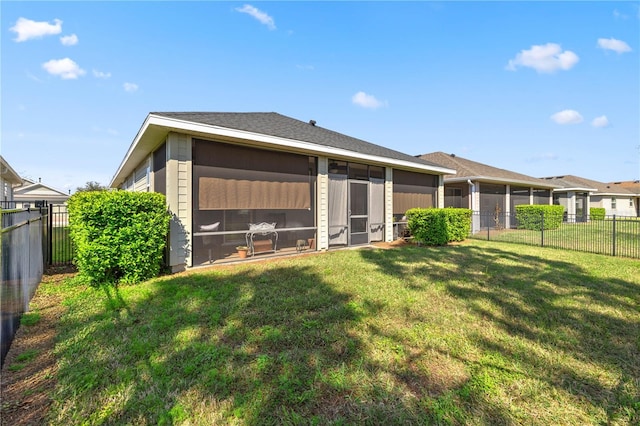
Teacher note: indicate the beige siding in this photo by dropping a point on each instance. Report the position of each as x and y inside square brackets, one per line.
[179, 199]
[323, 203]
[141, 176]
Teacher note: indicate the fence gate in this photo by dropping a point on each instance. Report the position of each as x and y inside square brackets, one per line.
[59, 248]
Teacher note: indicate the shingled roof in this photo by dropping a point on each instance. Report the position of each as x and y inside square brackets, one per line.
[468, 169]
[580, 183]
[278, 125]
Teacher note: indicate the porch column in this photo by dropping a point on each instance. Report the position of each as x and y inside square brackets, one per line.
[507, 207]
[322, 204]
[388, 204]
[179, 202]
[440, 202]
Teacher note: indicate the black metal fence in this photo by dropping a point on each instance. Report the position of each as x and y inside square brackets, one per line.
[611, 235]
[23, 252]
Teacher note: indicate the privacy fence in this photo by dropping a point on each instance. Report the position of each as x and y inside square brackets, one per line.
[32, 239]
[610, 235]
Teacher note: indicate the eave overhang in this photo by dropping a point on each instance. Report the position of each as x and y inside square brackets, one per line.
[155, 129]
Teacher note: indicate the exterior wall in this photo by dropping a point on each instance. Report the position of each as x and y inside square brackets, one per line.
[388, 203]
[179, 199]
[624, 204]
[6, 191]
[323, 203]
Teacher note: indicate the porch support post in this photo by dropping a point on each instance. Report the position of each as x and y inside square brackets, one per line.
[388, 204]
[322, 203]
[179, 184]
[440, 202]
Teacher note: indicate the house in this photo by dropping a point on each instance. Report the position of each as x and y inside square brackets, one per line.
[37, 194]
[271, 182]
[585, 193]
[489, 191]
[8, 178]
[634, 187]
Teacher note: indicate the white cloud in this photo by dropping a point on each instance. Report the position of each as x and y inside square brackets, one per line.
[567, 116]
[70, 40]
[259, 15]
[601, 121]
[130, 87]
[546, 58]
[617, 46]
[26, 29]
[618, 15]
[305, 67]
[64, 68]
[366, 101]
[101, 74]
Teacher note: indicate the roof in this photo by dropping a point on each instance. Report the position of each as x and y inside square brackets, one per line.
[267, 129]
[631, 185]
[7, 173]
[472, 170]
[37, 191]
[571, 182]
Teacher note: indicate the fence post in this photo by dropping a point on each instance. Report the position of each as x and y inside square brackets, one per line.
[614, 236]
[542, 229]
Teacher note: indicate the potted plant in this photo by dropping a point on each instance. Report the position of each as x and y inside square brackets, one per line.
[242, 251]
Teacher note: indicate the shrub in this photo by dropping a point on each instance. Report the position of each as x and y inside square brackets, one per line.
[534, 216]
[439, 226]
[597, 213]
[119, 236]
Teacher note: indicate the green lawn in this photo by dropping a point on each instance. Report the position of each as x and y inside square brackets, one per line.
[477, 333]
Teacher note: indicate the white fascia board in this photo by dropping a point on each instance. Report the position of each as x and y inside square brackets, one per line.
[560, 189]
[504, 181]
[117, 179]
[189, 127]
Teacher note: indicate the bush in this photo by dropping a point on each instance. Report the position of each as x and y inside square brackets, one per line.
[533, 216]
[119, 236]
[439, 226]
[597, 213]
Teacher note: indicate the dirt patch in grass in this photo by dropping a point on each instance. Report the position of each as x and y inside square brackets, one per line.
[27, 382]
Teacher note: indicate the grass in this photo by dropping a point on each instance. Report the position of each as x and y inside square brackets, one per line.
[596, 236]
[478, 333]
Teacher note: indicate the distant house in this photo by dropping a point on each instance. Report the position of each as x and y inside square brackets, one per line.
[8, 178]
[490, 191]
[233, 177]
[632, 186]
[37, 194]
[578, 194]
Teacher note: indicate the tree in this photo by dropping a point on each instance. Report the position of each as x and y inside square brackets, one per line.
[91, 186]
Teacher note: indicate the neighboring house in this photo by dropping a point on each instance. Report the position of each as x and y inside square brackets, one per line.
[8, 178]
[223, 172]
[488, 190]
[585, 193]
[632, 186]
[37, 194]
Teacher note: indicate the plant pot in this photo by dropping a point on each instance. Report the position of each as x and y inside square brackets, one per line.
[242, 254]
[312, 243]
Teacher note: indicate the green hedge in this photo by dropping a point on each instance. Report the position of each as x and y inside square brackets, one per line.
[532, 216]
[119, 236]
[597, 213]
[438, 227]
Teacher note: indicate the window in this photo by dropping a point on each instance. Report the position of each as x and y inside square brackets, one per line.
[613, 203]
[630, 202]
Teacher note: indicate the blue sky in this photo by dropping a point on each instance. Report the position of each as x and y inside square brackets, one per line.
[540, 88]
